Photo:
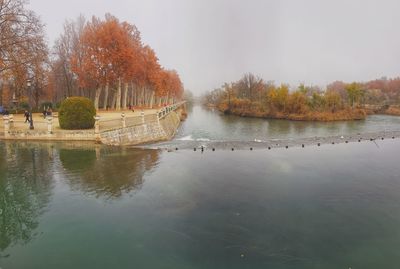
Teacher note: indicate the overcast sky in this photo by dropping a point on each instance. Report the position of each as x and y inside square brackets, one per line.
[214, 41]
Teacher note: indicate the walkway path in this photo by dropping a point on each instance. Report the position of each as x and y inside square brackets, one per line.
[138, 125]
[40, 123]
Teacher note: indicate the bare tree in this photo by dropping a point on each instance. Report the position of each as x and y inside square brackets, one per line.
[250, 86]
[66, 45]
[23, 50]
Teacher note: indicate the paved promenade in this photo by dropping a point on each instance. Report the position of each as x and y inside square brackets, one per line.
[139, 125]
[107, 118]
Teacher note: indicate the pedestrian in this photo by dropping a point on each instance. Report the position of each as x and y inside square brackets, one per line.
[49, 112]
[26, 114]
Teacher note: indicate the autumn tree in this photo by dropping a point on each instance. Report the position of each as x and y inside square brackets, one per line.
[111, 56]
[93, 63]
[250, 86]
[354, 93]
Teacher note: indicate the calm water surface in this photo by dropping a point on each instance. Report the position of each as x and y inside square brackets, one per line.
[206, 124]
[84, 206]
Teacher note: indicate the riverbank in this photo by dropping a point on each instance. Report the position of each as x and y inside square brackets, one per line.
[393, 111]
[341, 115]
[153, 129]
[111, 127]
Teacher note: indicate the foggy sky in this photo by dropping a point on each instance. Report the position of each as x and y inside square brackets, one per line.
[214, 41]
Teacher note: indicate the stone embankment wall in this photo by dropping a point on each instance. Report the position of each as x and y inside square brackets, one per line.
[152, 130]
[159, 126]
[65, 135]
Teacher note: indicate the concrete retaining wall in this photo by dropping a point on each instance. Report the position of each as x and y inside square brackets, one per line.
[79, 135]
[152, 130]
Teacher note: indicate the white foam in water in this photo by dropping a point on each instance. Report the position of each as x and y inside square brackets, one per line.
[203, 139]
[190, 138]
[186, 138]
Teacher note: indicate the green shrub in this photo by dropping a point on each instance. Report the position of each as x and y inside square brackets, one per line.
[23, 106]
[46, 105]
[58, 104]
[76, 113]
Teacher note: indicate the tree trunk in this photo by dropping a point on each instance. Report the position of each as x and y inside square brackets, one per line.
[145, 96]
[97, 97]
[132, 95]
[125, 98]
[118, 105]
[114, 99]
[142, 97]
[136, 96]
[151, 99]
[105, 104]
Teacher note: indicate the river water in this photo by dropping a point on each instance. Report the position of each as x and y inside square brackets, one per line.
[207, 124]
[209, 128]
[77, 205]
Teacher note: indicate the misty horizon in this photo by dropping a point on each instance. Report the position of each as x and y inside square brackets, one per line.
[212, 42]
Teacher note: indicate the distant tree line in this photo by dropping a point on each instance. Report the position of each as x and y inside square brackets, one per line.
[252, 96]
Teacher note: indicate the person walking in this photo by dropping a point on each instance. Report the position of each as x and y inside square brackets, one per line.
[26, 114]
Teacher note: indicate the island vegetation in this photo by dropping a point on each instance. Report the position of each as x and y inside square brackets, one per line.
[251, 96]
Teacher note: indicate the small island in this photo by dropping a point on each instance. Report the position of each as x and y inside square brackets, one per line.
[251, 96]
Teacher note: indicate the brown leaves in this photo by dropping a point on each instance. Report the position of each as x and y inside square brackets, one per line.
[113, 50]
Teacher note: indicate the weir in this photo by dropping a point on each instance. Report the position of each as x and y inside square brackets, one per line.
[270, 144]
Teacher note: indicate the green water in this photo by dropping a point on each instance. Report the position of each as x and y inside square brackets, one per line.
[72, 205]
[78, 206]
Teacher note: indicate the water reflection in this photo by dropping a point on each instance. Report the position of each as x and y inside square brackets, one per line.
[107, 172]
[25, 190]
[28, 172]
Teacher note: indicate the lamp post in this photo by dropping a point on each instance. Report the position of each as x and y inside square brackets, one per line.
[29, 84]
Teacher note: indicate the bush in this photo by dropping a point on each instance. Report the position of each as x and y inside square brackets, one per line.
[46, 105]
[23, 106]
[76, 113]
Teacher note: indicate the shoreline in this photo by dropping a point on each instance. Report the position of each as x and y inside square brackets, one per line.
[117, 129]
[342, 115]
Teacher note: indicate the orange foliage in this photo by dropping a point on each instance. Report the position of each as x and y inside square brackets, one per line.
[112, 51]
